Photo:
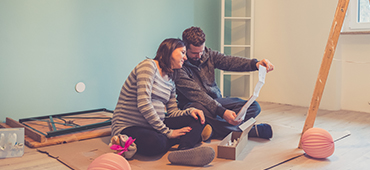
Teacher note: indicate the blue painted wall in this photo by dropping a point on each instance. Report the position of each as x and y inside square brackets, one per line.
[207, 15]
[48, 46]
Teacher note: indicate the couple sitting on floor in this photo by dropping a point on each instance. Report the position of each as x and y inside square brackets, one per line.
[148, 114]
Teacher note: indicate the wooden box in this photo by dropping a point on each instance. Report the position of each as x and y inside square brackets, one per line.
[232, 151]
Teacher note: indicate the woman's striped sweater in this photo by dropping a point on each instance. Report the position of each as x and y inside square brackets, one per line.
[145, 99]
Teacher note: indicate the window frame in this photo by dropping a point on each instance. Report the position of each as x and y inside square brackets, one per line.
[353, 12]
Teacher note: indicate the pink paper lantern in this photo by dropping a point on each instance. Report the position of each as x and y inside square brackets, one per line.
[317, 143]
[109, 161]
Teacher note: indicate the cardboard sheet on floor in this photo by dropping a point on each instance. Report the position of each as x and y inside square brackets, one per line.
[261, 153]
[258, 154]
[78, 155]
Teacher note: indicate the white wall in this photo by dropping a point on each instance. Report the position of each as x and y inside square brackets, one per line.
[355, 51]
[293, 35]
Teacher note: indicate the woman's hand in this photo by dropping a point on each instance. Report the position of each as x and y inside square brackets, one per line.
[180, 132]
[196, 112]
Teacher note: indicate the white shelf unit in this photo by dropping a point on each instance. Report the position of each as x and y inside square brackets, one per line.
[237, 37]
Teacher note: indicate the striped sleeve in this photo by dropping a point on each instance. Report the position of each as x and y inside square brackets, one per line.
[145, 78]
[172, 108]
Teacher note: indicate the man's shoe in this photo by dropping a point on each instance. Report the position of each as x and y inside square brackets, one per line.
[262, 130]
[198, 156]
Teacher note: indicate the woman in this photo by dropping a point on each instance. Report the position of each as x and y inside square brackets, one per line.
[147, 109]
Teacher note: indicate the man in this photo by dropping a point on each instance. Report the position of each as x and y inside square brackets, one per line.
[196, 86]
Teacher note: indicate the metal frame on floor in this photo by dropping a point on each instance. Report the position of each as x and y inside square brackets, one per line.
[74, 128]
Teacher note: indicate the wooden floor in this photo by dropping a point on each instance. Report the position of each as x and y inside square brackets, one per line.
[352, 152]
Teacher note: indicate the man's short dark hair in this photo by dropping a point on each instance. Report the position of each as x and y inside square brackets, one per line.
[194, 36]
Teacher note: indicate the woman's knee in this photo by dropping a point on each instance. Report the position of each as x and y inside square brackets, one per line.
[153, 145]
[255, 107]
[253, 110]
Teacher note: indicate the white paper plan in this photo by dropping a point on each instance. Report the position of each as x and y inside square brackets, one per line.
[261, 81]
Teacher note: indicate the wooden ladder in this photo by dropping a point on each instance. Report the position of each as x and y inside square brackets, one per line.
[325, 65]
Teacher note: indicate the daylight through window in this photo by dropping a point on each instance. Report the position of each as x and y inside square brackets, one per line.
[364, 11]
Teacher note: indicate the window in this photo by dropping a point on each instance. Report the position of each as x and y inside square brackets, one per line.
[359, 15]
[364, 11]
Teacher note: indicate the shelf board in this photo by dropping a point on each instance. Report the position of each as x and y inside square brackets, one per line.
[237, 46]
[236, 73]
[238, 18]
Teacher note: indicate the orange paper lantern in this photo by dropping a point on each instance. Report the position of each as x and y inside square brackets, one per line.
[317, 143]
[109, 161]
